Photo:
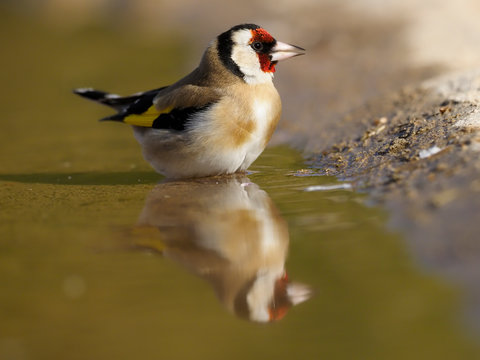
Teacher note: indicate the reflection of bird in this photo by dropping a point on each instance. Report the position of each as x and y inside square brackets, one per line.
[217, 119]
[227, 231]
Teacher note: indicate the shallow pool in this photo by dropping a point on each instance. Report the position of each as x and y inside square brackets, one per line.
[100, 265]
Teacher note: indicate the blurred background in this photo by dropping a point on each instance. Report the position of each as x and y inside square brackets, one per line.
[71, 187]
[356, 51]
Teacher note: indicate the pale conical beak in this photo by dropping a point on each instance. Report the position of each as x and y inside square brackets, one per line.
[282, 51]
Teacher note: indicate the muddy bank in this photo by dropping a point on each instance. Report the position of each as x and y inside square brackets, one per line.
[418, 155]
[419, 145]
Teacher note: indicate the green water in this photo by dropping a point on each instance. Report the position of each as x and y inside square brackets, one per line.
[77, 282]
[83, 276]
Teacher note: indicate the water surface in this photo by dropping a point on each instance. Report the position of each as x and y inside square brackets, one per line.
[135, 269]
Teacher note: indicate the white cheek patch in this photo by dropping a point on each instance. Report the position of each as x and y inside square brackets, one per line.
[247, 59]
[242, 37]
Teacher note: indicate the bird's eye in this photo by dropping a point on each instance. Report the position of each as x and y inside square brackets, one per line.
[257, 46]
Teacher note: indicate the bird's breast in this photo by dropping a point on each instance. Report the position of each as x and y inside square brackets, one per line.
[233, 132]
[241, 117]
[264, 117]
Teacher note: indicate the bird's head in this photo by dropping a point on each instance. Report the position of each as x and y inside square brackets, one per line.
[269, 296]
[251, 53]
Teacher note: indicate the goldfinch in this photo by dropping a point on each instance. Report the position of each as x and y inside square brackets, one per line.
[216, 120]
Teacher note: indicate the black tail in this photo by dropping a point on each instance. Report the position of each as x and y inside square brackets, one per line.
[115, 101]
[133, 104]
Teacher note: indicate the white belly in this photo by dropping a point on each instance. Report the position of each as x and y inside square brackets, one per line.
[262, 111]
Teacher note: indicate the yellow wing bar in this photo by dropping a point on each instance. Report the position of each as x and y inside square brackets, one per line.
[147, 118]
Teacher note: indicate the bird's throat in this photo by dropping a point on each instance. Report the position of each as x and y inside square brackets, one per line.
[266, 64]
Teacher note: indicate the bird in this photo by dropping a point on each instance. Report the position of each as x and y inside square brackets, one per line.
[216, 120]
